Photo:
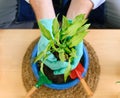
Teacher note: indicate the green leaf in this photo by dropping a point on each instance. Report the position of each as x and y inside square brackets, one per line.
[73, 53]
[62, 55]
[65, 23]
[43, 54]
[57, 37]
[83, 28]
[67, 50]
[55, 26]
[48, 47]
[67, 71]
[118, 82]
[78, 37]
[41, 68]
[54, 48]
[44, 31]
[71, 30]
[79, 18]
[40, 56]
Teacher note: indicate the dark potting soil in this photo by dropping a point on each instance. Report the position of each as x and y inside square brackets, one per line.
[58, 79]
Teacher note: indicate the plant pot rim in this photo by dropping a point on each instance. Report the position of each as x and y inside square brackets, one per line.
[63, 85]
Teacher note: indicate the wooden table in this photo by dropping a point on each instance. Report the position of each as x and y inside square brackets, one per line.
[13, 45]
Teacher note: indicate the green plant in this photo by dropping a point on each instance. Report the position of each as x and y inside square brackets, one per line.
[63, 40]
[118, 82]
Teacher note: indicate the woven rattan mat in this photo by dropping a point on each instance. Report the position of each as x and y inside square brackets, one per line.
[77, 91]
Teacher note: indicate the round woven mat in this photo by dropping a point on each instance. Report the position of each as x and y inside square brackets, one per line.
[77, 91]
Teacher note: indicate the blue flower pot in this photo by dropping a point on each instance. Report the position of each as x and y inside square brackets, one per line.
[66, 85]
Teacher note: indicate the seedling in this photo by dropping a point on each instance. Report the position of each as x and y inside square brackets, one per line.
[63, 40]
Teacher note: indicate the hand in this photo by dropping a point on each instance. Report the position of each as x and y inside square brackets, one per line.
[79, 7]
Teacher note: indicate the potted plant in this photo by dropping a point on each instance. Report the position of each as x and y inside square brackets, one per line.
[59, 51]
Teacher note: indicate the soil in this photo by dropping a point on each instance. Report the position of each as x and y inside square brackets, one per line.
[57, 79]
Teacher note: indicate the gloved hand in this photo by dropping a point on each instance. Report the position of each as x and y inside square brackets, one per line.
[58, 67]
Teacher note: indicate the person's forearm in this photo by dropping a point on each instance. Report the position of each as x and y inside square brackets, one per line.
[43, 8]
[79, 7]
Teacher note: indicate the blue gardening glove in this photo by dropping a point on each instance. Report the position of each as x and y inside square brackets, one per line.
[58, 67]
